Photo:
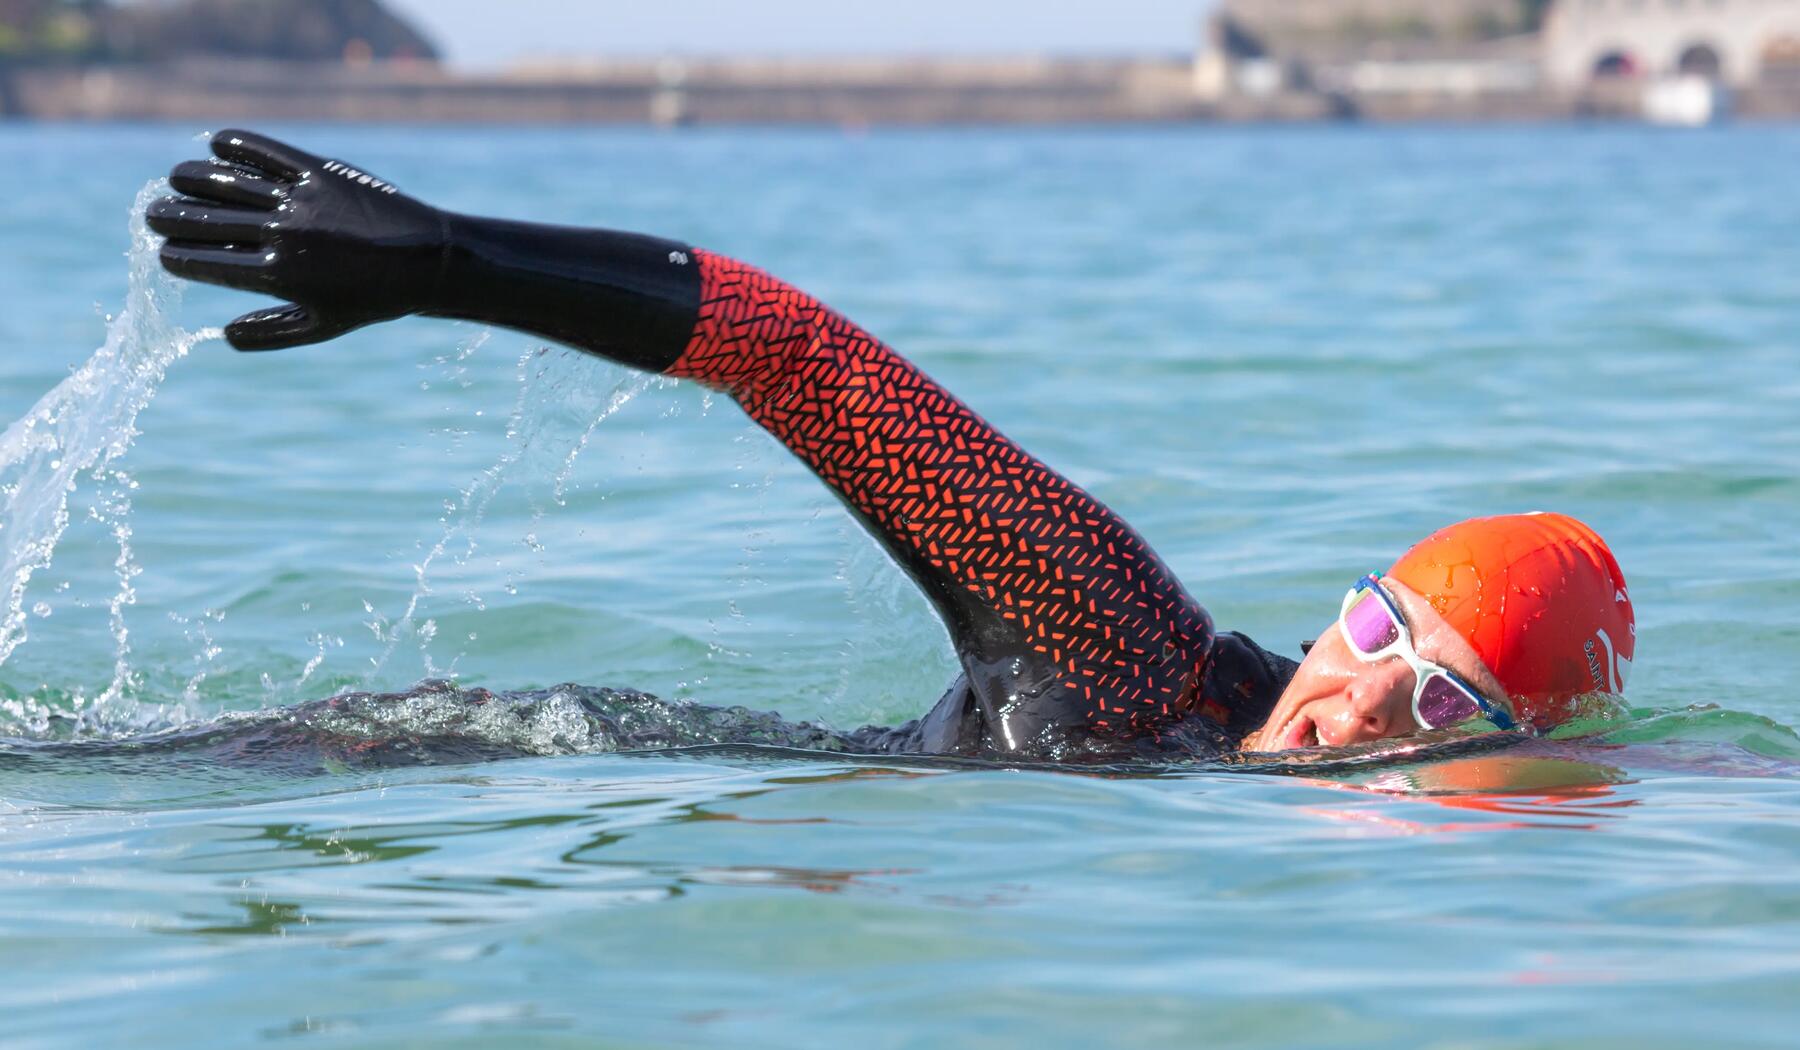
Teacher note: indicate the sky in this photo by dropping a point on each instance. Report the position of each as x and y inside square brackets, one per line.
[491, 33]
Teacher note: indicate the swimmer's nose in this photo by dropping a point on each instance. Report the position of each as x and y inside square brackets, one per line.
[1378, 703]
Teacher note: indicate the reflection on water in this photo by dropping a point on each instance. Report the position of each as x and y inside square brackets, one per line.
[1537, 793]
[628, 847]
[453, 873]
[598, 857]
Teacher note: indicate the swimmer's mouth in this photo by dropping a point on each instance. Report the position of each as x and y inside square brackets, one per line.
[1299, 732]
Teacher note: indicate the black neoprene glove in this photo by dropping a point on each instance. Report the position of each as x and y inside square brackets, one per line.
[348, 249]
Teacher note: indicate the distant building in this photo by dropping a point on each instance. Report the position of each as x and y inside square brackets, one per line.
[1371, 52]
[1300, 24]
[1737, 42]
[1474, 58]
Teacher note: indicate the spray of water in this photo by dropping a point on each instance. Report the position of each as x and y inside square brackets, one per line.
[70, 443]
[549, 380]
[82, 427]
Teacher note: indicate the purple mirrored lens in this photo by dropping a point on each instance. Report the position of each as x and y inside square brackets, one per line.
[1368, 624]
[1444, 703]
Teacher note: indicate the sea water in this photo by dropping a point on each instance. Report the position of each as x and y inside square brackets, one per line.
[1283, 354]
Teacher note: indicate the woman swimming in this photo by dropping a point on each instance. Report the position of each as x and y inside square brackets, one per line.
[1075, 640]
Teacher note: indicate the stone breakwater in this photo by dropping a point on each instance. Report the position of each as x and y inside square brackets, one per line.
[845, 92]
[642, 92]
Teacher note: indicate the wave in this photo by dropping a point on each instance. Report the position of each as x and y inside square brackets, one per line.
[436, 723]
[443, 724]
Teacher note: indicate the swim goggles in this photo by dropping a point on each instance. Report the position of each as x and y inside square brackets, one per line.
[1374, 628]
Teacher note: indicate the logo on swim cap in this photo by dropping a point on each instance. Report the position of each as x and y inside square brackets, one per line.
[1605, 666]
[1541, 600]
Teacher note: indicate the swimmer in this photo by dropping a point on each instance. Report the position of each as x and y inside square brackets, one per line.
[1076, 641]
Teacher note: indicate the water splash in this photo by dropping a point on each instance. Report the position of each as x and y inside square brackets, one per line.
[83, 426]
[553, 384]
[436, 723]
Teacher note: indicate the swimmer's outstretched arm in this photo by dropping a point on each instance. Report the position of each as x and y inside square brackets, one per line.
[1063, 617]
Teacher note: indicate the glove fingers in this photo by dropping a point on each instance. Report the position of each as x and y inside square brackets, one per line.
[213, 181]
[245, 270]
[280, 327]
[275, 157]
[191, 219]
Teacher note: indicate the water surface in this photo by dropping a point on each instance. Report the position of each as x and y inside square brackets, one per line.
[1282, 354]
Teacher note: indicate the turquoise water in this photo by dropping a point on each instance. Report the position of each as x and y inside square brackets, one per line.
[1282, 354]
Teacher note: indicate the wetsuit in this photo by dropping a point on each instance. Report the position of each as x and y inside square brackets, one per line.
[1073, 635]
[1075, 639]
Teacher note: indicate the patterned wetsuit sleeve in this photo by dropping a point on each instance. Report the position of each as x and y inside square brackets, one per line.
[1062, 614]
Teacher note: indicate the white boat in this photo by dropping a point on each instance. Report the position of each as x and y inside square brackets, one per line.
[1686, 100]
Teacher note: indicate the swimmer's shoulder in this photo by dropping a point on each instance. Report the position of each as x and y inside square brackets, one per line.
[1243, 681]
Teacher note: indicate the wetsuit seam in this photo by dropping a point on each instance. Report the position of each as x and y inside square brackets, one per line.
[446, 250]
[702, 258]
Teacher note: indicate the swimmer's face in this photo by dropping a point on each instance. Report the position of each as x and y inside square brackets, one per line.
[1336, 698]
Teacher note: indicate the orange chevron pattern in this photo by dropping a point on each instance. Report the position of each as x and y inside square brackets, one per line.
[961, 506]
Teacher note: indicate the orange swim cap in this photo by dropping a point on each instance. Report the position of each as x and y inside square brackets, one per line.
[1541, 599]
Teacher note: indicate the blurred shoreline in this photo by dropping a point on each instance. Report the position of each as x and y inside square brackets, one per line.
[634, 91]
[847, 92]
